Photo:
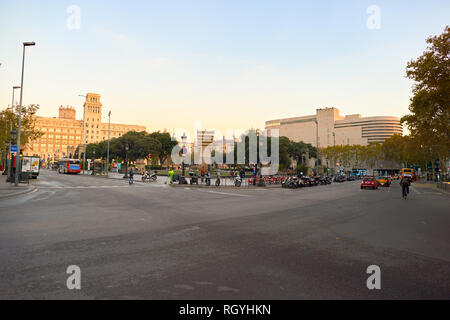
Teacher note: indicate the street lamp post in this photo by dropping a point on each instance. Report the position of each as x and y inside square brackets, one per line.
[107, 150]
[127, 147]
[327, 167]
[334, 153]
[304, 159]
[317, 144]
[183, 155]
[18, 169]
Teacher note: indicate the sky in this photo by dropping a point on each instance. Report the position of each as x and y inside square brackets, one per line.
[229, 64]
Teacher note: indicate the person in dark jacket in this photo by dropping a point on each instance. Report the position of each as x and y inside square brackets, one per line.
[405, 183]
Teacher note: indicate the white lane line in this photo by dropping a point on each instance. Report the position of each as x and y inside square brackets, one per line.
[87, 187]
[228, 194]
[415, 190]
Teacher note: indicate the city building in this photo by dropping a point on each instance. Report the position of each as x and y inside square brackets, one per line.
[327, 128]
[62, 135]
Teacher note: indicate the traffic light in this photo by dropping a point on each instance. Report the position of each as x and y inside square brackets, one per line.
[21, 153]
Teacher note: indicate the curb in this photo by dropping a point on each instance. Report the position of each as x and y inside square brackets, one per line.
[24, 192]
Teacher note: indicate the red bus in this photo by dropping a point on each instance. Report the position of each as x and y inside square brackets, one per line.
[69, 166]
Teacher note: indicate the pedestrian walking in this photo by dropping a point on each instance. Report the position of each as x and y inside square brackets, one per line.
[171, 173]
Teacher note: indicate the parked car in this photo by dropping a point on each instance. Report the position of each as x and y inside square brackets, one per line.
[369, 183]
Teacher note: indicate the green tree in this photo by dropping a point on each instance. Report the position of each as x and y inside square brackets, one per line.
[429, 120]
[166, 145]
[10, 119]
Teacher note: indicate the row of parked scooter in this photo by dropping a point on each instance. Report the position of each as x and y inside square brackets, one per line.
[294, 182]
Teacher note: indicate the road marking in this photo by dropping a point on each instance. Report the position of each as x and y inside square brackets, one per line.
[89, 187]
[228, 194]
[415, 190]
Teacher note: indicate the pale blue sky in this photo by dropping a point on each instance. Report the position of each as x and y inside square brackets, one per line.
[230, 64]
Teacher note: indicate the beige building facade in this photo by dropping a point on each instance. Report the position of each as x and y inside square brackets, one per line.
[64, 134]
[328, 128]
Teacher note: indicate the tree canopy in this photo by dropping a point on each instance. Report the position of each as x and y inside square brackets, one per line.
[134, 145]
[429, 120]
[10, 118]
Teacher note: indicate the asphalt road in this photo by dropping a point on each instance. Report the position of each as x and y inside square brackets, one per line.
[153, 241]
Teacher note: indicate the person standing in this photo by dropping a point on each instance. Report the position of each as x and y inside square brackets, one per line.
[131, 173]
[171, 173]
[202, 173]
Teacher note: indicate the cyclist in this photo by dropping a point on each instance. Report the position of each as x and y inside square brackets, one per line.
[405, 183]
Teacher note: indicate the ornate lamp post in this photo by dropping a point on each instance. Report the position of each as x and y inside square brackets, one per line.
[127, 147]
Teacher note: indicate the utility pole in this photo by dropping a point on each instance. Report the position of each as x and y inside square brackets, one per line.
[107, 150]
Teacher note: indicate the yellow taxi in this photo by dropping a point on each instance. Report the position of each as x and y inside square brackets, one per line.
[384, 181]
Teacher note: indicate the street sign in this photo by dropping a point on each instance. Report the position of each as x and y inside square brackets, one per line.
[13, 149]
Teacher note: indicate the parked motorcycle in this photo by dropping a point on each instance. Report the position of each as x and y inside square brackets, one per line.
[306, 181]
[294, 183]
[237, 181]
[147, 177]
[194, 178]
[285, 182]
[218, 180]
[182, 180]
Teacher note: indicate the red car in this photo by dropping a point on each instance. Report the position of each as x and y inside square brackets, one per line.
[369, 182]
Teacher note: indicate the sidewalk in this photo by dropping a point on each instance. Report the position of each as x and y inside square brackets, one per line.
[444, 187]
[8, 190]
